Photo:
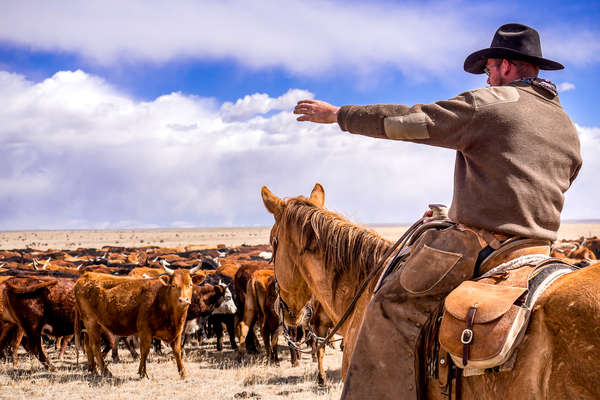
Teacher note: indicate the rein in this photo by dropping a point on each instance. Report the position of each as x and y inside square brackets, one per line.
[310, 333]
[286, 334]
[403, 240]
[282, 306]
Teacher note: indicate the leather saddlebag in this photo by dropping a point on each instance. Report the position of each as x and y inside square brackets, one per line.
[482, 325]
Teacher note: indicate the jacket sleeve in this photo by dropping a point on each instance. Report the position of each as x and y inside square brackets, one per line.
[443, 123]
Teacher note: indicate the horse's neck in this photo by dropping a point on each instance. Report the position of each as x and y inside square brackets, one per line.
[334, 293]
[344, 253]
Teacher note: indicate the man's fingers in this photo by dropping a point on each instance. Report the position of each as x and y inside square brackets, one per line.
[305, 107]
[304, 110]
[304, 118]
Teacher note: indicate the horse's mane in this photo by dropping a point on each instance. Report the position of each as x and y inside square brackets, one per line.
[345, 247]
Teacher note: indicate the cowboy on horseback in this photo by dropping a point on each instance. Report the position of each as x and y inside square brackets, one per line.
[517, 152]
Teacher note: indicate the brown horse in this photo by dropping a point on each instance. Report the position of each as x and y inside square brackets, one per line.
[320, 253]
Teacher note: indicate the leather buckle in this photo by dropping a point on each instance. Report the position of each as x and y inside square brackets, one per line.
[466, 337]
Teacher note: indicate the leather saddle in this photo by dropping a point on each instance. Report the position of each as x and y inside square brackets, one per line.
[484, 320]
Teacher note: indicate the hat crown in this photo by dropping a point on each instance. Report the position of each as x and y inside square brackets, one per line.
[518, 37]
[512, 42]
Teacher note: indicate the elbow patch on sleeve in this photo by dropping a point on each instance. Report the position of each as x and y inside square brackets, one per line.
[406, 127]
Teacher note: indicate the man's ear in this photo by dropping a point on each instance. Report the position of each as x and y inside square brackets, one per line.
[273, 203]
[317, 196]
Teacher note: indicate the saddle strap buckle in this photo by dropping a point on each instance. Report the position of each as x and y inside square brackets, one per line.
[467, 335]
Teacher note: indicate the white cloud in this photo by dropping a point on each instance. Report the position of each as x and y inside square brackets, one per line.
[261, 103]
[566, 86]
[302, 36]
[79, 154]
[581, 200]
[305, 37]
[571, 45]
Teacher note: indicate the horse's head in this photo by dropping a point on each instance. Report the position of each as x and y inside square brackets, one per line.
[290, 258]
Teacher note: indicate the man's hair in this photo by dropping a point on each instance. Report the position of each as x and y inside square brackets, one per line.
[525, 69]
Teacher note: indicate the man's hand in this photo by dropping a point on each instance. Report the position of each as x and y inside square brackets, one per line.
[428, 216]
[316, 111]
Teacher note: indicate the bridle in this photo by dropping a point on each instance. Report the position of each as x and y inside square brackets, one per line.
[282, 308]
[281, 304]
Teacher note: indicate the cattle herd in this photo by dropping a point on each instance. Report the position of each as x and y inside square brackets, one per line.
[148, 296]
[139, 298]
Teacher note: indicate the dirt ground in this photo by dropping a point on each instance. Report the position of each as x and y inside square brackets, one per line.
[211, 375]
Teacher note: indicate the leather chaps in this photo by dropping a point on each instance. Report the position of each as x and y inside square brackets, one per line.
[385, 363]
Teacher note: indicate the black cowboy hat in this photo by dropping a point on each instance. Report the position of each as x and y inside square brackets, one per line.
[512, 42]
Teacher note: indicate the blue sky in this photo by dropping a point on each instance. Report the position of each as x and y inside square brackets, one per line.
[174, 114]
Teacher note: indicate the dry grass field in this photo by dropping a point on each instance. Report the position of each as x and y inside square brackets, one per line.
[68, 240]
[211, 375]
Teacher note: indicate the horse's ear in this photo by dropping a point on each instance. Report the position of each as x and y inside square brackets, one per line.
[273, 203]
[317, 196]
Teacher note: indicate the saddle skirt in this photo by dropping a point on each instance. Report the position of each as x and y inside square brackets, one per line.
[484, 320]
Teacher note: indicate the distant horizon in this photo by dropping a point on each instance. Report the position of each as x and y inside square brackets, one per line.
[366, 225]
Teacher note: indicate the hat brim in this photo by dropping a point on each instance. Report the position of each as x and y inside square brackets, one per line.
[475, 63]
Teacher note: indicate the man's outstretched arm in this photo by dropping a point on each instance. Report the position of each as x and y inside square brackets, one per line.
[444, 123]
[364, 120]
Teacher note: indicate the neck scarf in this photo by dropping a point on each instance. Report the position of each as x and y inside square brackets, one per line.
[543, 83]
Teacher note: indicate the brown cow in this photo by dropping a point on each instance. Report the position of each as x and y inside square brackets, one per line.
[225, 314]
[146, 272]
[205, 299]
[148, 308]
[582, 253]
[259, 307]
[272, 325]
[228, 269]
[137, 257]
[10, 338]
[240, 284]
[42, 305]
[593, 244]
[200, 275]
[54, 265]
[580, 257]
[10, 333]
